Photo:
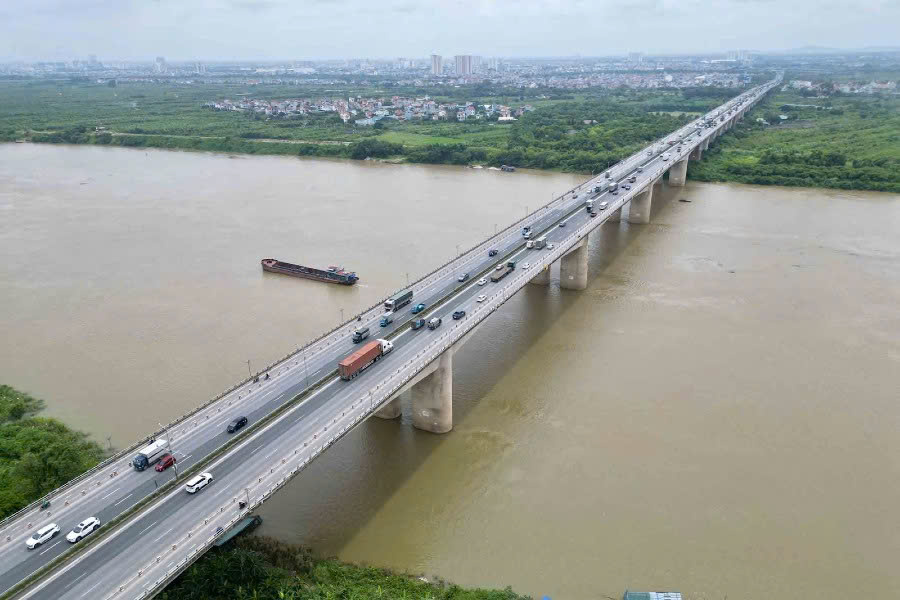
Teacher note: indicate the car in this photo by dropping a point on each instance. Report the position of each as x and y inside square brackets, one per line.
[492, 252]
[603, 205]
[550, 246]
[418, 308]
[198, 482]
[435, 323]
[640, 169]
[482, 281]
[615, 192]
[166, 461]
[562, 223]
[574, 196]
[463, 277]
[237, 424]
[83, 529]
[42, 535]
[626, 186]
[481, 298]
[418, 324]
[526, 265]
[593, 214]
[499, 267]
[459, 314]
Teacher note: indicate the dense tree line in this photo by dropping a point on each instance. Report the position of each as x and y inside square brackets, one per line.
[37, 454]
[259, 568]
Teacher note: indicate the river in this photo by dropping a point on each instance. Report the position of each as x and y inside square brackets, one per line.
[716, 414]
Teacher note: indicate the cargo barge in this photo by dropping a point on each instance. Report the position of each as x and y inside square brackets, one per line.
[331, 275]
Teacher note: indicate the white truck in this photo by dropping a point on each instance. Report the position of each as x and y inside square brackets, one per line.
[149, 454]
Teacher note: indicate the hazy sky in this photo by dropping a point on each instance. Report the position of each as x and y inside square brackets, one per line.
[298, 29]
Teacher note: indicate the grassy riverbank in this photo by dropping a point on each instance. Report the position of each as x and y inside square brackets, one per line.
[834, 142]
[37, 454]
[262, 568]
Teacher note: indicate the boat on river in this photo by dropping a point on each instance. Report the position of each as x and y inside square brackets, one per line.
[330, 275]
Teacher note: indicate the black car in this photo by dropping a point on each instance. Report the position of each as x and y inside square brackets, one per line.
[459, 315]
[418, 324]
[492, 253]
[593, 214]
[237, 424]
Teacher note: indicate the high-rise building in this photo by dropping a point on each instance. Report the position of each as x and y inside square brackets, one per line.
[635, 57]
[437, 65]
[160, 65]
[493, 64]
[464, 64]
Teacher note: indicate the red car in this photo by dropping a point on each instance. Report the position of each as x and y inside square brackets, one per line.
[165, 462]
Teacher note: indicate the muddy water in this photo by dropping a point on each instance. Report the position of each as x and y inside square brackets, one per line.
[716, 414]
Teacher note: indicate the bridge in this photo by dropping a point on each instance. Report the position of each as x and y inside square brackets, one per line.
[298, 407]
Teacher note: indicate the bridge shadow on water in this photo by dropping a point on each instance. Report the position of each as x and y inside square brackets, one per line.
[335, 497]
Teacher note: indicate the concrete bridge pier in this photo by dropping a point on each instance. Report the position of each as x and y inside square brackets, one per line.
[573, 267]
[392, 408]
[639, 211]
[696, 153]
[678, 173]
[542, 278]
[432, 397]
[704, 144]
[616, 216]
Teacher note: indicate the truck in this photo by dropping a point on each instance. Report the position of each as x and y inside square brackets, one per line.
[386, 319]
[352, 365]
[614, 186]
[540, 243]
[149, 454]
[398, 300]
[589, 205]
[498, 275]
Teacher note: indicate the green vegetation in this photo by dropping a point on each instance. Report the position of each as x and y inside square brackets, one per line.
[37, 454]
[839, 142]
[582, 132]
[260, 568]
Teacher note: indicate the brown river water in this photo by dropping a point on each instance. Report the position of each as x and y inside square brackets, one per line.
[718, 413]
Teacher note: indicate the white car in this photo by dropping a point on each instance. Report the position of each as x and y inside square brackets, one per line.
[481, 298]
[550, 246]
[83, 529]
[499, 267]
[198, 482]
[526, 265]
[482, 281]
[42, 535]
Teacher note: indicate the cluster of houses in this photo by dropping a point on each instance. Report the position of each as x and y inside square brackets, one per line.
[368, 111]
[851, 87]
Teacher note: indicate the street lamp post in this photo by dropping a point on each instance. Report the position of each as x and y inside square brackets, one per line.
[249, 372]
[342, 315]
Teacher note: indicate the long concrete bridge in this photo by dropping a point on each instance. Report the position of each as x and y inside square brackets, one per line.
[153, 530]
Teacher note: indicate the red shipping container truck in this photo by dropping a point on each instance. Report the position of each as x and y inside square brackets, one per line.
[351, 365]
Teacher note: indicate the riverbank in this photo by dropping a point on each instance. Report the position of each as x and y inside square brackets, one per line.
[262, 567]
[840, 142]
[38, 453]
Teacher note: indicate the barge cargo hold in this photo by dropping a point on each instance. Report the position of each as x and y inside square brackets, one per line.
[331, 275]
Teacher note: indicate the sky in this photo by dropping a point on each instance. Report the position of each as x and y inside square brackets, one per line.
[319, 29]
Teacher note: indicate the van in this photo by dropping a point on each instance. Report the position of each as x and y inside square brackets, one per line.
[386, 319]
[360, 334]
[434, 323]
[198, 482]
[529, 244]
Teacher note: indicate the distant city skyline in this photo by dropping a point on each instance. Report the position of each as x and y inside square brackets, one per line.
[282, 29]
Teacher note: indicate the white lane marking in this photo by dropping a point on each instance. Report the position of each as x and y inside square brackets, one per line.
[74, 581]
[257, 449]
[163, 534]
[148, 527]
[270, 453]
[49, 548]
[109, 494]
[91, 589]
[124, 499]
